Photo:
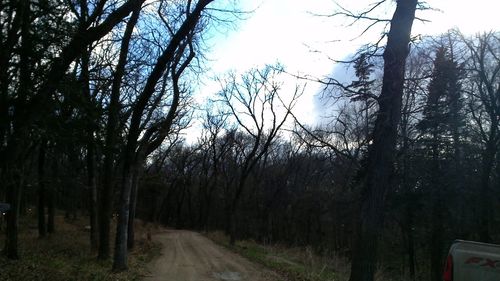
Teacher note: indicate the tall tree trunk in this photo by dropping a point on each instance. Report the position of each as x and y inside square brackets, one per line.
[120, 255]
[42, 230]
[106, 199]
[51, 197]
[488, 159]
[180, 203]
[208, 204]
[14, 198]
[202, 191]
[233, 218]
[7, 46]
[17, 144]
[410, 206]
[411, 242]
[92, 193]
[104, 216]
[436, 188]
[72, 189]
[436, 245]
[234, 211]
[133, 206]
[227, 218]
[189, 207]
[382, 151]
[163, 212]
[91, 163]
[208, 208]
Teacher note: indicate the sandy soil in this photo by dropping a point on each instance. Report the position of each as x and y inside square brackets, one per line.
[188, 256]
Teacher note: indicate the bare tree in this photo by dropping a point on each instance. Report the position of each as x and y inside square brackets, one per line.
[175, 58]
[216, 145]
[254, 101]
[484, 104]
[381, 152]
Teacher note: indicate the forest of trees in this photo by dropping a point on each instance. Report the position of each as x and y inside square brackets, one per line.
[95, 96]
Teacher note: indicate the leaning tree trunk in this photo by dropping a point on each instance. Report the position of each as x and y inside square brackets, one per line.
[382, 151]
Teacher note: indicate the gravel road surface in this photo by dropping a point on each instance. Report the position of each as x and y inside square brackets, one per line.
[189, 256]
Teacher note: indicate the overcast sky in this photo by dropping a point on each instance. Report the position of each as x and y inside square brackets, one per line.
[292, 33]
[285, 30]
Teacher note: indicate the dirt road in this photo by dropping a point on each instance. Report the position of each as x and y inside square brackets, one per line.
[188, 256]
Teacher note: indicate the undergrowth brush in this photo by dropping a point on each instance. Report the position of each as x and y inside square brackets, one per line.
[300, 263]
[65, 255]
[294, 263]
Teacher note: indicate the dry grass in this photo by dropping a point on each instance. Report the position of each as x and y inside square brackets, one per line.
[300, 263]
[297, 264]
[65, 255]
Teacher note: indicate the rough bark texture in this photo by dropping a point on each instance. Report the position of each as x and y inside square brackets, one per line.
[382, 151]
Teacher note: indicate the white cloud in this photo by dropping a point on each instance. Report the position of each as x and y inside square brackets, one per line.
[286, 31]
